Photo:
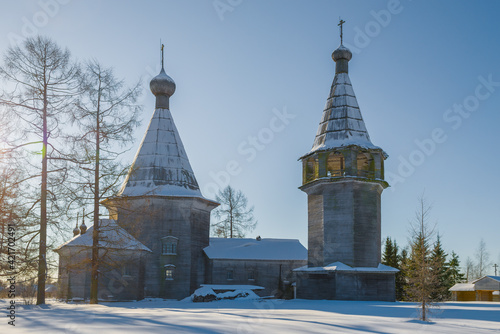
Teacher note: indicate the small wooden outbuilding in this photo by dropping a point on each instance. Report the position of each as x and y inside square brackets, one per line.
[486, 289]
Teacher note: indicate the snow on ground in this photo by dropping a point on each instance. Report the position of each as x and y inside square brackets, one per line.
[251, 316]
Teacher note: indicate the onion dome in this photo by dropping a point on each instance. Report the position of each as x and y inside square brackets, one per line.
[341, 53]
[76, 231]
[162, 84]
[83, 228]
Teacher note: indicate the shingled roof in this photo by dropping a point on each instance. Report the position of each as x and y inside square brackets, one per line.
[341, 124]
[161, 166]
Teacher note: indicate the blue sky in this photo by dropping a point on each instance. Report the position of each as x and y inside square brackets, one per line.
[426, 75]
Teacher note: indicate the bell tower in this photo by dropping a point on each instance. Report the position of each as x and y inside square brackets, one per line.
[343, 177]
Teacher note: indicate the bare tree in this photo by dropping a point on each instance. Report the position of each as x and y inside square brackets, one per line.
[470, 270]
[41, 75]
[483, 262]
[233, 216]
[423, 281]
[107, 114]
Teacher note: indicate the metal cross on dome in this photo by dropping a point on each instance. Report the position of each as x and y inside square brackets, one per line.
[341, 32]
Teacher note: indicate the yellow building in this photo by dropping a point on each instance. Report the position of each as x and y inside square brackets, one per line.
[486, 289]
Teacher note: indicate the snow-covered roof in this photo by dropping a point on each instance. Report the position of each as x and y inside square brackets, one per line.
[232, 287]
[161, 166]
[111, 236]
[252, 249]
[341, 124]
[339, 266]
[462, 287]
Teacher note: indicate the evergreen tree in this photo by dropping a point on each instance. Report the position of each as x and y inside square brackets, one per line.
[390, 255]
[440, 270]
[401, 277]
[454, 274]
[393, 258]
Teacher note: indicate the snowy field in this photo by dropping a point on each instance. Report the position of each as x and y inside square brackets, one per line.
[252, 316]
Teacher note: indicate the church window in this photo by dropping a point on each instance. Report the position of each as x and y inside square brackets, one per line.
[335, 164]
[127, 270]
[230, 274]
[169, 272]
[169, 245]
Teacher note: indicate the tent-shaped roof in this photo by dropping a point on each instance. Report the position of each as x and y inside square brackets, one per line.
[252, 249]
[111, 236]
[161, 166]
[341, 124]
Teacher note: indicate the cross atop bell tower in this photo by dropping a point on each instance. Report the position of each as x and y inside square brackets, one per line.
[341, 22]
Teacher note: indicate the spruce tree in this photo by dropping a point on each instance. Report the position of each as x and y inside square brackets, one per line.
[389, 257]
[440, 269]
[454, 274]
[401, 277]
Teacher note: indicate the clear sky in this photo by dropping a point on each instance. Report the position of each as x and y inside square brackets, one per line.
[426, 75]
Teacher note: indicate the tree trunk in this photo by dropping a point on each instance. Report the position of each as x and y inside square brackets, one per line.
[42, 252]
[95, 234]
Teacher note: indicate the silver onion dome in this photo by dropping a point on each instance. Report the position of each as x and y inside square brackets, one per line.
[341, 53]
[162, 84]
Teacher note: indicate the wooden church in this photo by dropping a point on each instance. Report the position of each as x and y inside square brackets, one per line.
[156, 242]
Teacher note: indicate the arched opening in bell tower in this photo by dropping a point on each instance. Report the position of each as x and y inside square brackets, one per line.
[311, 169]
[335, 164]
[366, 165]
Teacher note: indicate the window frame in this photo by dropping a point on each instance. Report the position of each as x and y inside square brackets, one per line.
[169, 272]
[171, 241]
[230, 277]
